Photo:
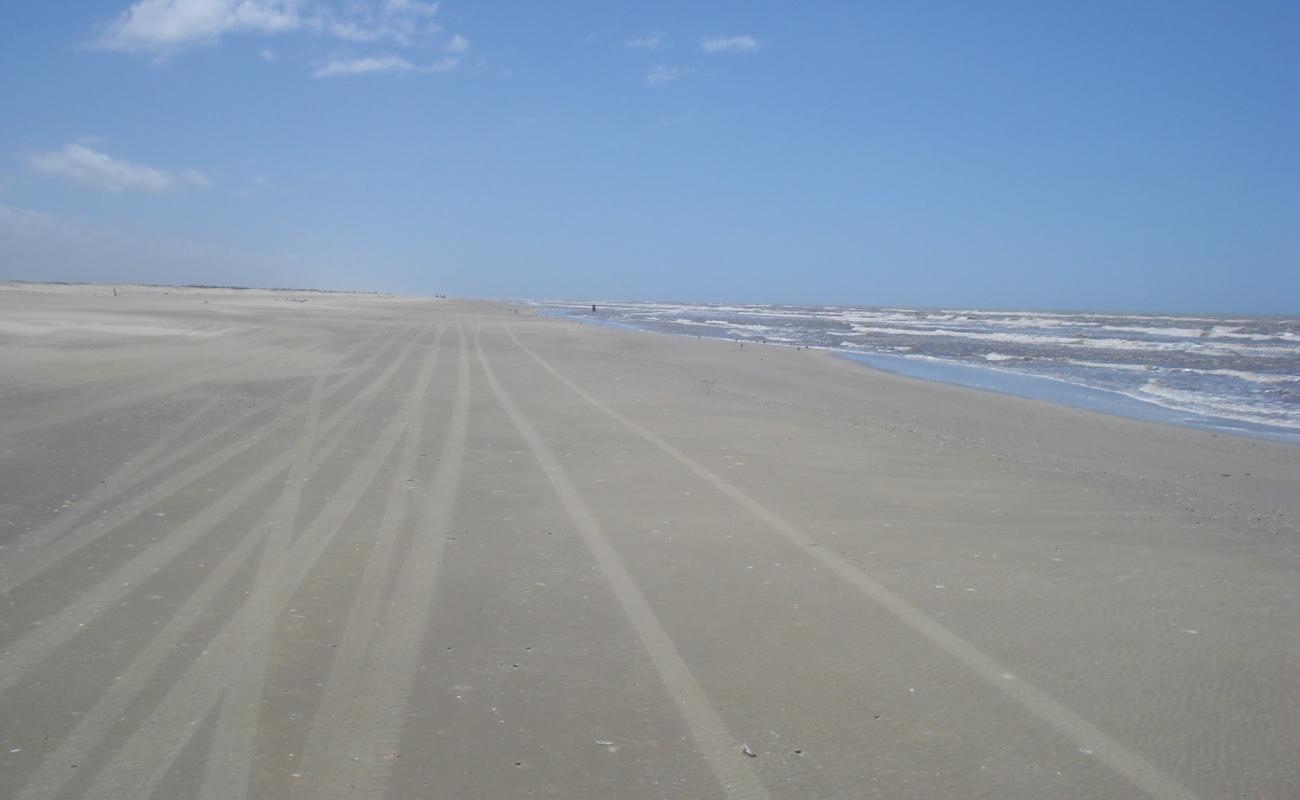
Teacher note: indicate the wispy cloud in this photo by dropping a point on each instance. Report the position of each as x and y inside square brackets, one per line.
[14, 220]
[416, 7]
[651, 41]
[458, 44]
[354, 32]
[362, 66]
[166, 26]
[729, 44]
[385, 63]
[81, 164]
[399, 21]
[663, 73]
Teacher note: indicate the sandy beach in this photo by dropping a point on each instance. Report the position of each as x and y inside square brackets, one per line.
[315, 545]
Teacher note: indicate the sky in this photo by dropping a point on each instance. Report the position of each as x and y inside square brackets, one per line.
[1107, 155]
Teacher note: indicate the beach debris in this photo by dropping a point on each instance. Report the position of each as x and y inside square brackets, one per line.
[605, 742]
[744, 748]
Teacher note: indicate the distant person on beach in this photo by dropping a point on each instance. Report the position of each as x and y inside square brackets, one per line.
[593, 308]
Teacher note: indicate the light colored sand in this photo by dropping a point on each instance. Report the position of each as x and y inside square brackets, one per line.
[360, 546]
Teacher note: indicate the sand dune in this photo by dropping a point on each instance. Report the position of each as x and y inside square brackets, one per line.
[363, 546]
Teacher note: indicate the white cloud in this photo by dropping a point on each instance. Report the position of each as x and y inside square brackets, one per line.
[354, 32]
[362, 66]
[651, 41]
[193, 177]
[400, 21]
[663, 73]
[458, 44]
[444, 64]
[415, 7]
[81, 164]
[163, 25]
[383, 63]
[729, 44]
[14, 220]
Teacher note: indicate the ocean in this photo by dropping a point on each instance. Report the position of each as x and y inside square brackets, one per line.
[1237, 374]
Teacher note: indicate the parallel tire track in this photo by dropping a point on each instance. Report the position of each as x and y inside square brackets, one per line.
[231, 748]
[156, 459]
[136, 767]
[1113, 753]
[189, 378]
[360, 719]
[133, 471]
[227, 773]
[52, 543]
[159, 456]
[27, 652]
[94, 726]
[718, 747]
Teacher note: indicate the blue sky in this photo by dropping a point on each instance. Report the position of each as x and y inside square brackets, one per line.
[1050, 155]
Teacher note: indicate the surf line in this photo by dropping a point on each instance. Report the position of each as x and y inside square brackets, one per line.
[1109, 751]
[710, 733]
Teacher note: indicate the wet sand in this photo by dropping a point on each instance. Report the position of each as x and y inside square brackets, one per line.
[275, 544]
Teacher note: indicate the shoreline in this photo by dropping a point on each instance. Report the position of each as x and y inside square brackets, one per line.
[981, 377]
[1006, 382]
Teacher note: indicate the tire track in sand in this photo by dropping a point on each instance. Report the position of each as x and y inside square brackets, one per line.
[1111, 752]
[141, 762]
[133, 471]
[182, 380]
[715, 743]
[28, 651]
[231, 748]
[198, 371]
[363, 708]
[97, 724]
[160, 456]
[43, 548]
[144, 466]
[228, 771]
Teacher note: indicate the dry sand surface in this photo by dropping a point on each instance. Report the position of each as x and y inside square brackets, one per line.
[301, 545]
